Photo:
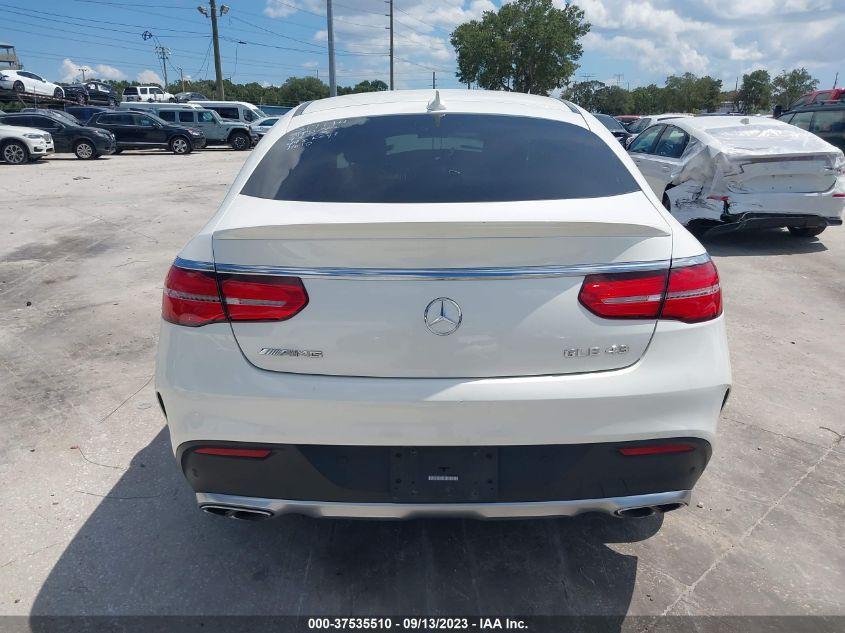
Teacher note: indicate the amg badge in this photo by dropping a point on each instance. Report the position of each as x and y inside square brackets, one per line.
[583, 352]
[292, 353]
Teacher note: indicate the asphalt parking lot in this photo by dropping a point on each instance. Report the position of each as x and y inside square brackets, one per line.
[98, 520]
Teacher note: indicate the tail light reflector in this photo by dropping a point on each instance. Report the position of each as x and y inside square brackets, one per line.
[191, 298]
[687, 293]
[657, 449]
[262, 297]
[198, 297]
[255, 453]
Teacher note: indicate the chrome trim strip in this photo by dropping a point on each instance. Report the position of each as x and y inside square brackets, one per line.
[680, 262]
[190, 264]
[526, 509]
[531, 272]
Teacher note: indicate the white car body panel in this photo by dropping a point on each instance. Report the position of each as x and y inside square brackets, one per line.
[383, 379]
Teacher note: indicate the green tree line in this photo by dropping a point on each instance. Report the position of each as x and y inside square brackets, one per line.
[690, 93]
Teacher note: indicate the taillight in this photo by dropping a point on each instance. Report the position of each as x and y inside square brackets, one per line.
[694, 294]
[262, 297]
[624, 295]
[191, 298]
[687, 293]
[195, 297]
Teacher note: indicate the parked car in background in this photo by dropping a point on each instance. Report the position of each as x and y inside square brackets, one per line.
[723, 174]
[60, 114]
[25, 81]
[217, 131]
[19, 145]
[234, 110]
[184, 97]
[274, 110]
[83, 113]
[262, 126]
[99, 92]
[627, 120]
[825, 121]
[818, 97]
[68, 137]
[75, 92]
[615, 127]
[567, 354]
[140, 130]
[645, 121]
[147, 93]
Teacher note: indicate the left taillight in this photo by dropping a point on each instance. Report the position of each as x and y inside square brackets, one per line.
[195, 297]
[191, 298]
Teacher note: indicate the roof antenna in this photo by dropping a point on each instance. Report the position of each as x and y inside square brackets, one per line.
[435, 104]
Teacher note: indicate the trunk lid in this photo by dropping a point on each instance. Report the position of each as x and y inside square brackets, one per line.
[373, 272]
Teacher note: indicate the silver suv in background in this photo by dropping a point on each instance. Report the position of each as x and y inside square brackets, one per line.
[234, 110]
[217, 131]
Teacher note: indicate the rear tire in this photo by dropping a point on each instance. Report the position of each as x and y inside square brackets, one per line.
[81, 100]
[15, 153]
[239, 141]
[112, 102]
[180, 145]
[84, 150]
[58, 94]
[806, 231]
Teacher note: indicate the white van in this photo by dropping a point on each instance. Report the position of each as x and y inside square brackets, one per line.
[233, 110]
[147, 93]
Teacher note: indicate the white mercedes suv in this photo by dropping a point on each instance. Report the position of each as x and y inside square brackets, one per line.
[458, 303]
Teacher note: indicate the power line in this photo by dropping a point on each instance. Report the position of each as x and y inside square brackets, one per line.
[439, 28]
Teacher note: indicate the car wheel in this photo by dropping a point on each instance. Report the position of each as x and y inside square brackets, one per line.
[15, 153]
[84, 150]
[58, 94]
[806, 231]
[172, 100]
[239, 141]
[112, 102]
[18, 87]
[117, 150]
[81, 100]
[180, 145]
[150, 100]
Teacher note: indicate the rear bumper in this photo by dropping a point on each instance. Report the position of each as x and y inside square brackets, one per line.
[444, 475]
[756, 221]
[660, 502]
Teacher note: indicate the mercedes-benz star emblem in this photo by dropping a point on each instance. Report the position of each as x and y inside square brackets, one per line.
[443, 316]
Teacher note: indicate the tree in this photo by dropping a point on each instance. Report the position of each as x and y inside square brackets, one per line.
[788, 86]
[583, 94]
[689, 93]
[755, 93]
[525, 46]
[299, 89]
[648, 99]
[611, 100]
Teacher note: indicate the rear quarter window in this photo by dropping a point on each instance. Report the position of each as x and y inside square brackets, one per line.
[439, 158]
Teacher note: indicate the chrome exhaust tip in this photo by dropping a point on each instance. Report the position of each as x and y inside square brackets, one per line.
[234, 512]
[647, 511]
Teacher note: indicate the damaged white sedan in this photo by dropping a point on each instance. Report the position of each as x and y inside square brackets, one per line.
[724, 173]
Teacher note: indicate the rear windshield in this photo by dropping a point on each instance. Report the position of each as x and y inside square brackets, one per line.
[438, 158]
[130, 91]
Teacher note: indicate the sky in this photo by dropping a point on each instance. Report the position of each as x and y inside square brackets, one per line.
[630, 43]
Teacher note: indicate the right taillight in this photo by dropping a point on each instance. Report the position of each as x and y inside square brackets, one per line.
[694, 294]
[198, 297]
[688, 293]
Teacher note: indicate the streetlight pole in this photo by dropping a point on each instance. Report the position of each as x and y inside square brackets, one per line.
[390, 2]
[212, 13]
[330, 28]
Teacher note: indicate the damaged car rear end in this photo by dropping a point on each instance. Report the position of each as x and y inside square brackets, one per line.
[724, 174]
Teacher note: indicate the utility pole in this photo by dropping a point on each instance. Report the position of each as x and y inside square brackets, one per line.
[390, 15]
[82, 70]
[330, 29]
[211, 12]
[163, 53]
[433, 79]
[836, 79]
[182, 79]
